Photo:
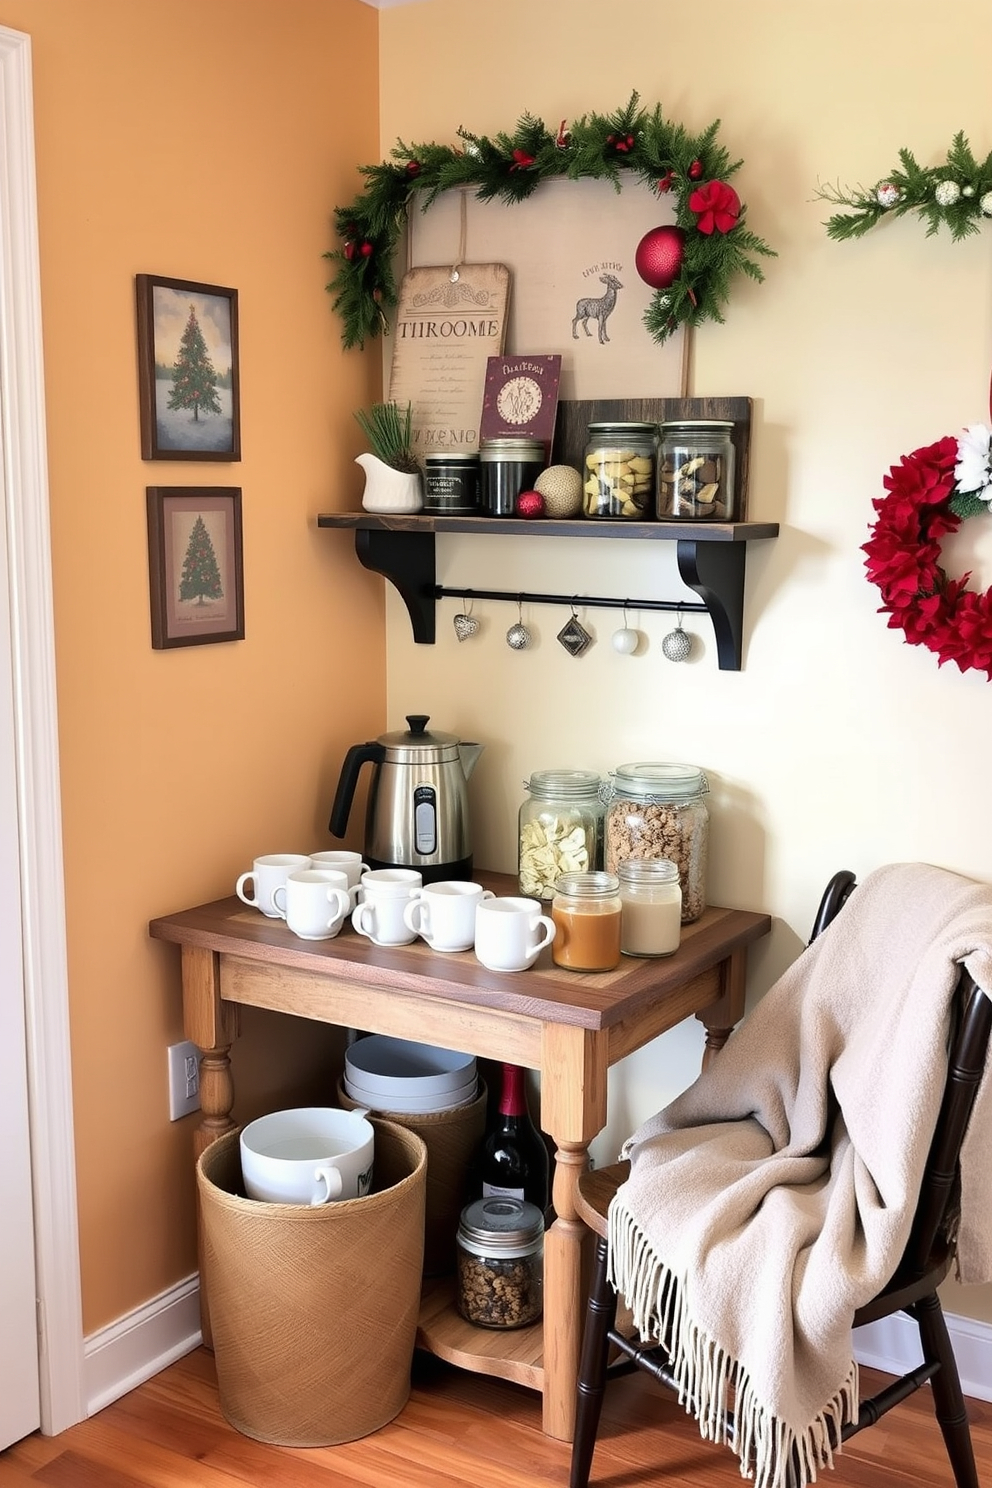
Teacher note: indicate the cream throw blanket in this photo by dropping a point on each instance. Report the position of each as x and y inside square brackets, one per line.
[775, 1196]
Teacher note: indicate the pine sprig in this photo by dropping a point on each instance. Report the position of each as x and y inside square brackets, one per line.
[509, 167]
[956, 195]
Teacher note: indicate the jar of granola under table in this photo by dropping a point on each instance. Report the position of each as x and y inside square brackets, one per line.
[500, 1245]
[659, 811]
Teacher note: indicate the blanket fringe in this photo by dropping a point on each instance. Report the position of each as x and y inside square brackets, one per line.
[770, 1451]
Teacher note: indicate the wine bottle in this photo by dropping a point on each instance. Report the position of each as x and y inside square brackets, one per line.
[514, 1157]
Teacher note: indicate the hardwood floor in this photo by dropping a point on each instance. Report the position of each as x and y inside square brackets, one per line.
[458, 1430]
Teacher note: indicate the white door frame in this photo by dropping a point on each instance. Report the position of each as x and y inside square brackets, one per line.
[25, 482]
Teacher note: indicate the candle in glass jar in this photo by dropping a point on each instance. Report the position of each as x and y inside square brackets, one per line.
[651, 907]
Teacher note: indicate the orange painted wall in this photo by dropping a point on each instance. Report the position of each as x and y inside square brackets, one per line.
[208, 142]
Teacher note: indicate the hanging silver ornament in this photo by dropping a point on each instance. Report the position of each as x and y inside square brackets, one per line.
[677, 645]
[574, 636]
[518, 637]
[465, 625]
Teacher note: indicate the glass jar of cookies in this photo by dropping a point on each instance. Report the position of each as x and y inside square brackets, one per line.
[659, 811]
[696, 471]
[618, 479]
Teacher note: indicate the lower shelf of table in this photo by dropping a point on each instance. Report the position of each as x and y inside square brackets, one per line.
[512, 1354]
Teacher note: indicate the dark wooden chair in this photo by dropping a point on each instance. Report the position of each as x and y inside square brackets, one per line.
[926, 1261]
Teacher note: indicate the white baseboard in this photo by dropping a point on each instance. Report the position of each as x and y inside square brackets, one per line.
[125, 1354]
[130, 1351]
[893, 1345]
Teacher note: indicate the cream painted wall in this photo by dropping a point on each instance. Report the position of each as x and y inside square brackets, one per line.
[836, 745]
[206, 142]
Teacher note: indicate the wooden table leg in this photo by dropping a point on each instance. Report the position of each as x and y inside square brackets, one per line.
[721, 1016]
[213, 1026]
[573, 1110]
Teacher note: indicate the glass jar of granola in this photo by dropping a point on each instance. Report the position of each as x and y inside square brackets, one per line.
[659, 811]
[560, 829]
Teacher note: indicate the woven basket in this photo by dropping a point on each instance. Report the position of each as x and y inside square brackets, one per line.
[452, 1139]
[314, 1311]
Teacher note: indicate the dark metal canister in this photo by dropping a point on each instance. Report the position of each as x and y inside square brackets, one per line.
[508, 466]
[451, 482]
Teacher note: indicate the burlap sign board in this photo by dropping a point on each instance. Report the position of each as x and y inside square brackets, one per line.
[448, 324]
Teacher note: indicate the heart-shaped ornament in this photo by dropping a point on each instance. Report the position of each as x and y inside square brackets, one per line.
[465, 626]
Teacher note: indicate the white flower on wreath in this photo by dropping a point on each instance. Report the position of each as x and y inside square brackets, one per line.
[972, 472]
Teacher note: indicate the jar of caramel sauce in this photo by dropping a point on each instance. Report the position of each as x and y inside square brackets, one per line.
[586, 910]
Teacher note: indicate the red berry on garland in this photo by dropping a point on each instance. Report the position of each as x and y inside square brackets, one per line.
[660, 255]
[413, 167]
[530, 504]
[695, 170]
[366, 249]
[349, 251]
[667, 182]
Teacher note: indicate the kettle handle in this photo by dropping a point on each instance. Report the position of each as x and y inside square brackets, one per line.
[343, 796]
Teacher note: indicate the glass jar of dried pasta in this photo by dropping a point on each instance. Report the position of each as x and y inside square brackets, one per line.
[659, 811]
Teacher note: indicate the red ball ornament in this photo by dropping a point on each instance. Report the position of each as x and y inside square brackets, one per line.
[530, 504]
[659, 256]
[366, 250]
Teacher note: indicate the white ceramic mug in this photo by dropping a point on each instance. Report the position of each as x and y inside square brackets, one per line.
[510, 933]
[265, 876]
[310, 1155]
[349, 863]
[444, 915]
[384, 894]
[314, 902]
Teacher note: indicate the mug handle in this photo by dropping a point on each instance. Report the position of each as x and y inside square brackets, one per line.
[358, 918]
[486, 894]
[413, 919]
[339, 897]
[331, 1179]
[280, 909]
[239, 889]
[550, 931]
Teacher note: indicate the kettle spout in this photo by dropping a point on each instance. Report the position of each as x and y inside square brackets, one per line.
[469, 756]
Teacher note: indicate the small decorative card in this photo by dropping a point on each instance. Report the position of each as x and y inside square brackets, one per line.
[521, 398]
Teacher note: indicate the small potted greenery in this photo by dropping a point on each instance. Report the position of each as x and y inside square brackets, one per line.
[392, 474]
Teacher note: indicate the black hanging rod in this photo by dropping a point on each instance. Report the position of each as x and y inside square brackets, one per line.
[576, 601]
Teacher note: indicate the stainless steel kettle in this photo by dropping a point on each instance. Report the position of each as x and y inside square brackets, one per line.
[417, 814]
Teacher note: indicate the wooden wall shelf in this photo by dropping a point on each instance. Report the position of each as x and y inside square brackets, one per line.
[711, 556]
[711, 562]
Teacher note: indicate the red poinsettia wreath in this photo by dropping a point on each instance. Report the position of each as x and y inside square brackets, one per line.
[930, 492]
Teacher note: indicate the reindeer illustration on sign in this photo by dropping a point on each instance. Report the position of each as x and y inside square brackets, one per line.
[597, 308]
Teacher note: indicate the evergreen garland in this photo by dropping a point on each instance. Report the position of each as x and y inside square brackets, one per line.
[509, 167]
[956, 195]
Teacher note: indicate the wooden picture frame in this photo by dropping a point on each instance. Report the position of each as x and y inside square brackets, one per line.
[187, 369]
[195, 565]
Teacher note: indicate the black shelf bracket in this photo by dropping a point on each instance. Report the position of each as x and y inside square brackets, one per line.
[715, 571]
[406, 559]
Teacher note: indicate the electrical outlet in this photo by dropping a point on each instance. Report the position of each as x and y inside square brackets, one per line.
[184, 1079]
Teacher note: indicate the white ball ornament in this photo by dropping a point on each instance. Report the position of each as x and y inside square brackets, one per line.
[947, 193]
[986, 204]
[887, 195]
[625, 641]
[967, 190]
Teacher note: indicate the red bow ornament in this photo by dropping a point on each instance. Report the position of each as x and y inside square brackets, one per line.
[716, 205]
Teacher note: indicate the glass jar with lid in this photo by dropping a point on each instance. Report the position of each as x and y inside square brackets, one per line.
[658, 811]
[696, 471]
[560, 829]
[650, 907]
[586, 911]
[500, 1246]
[618, 478]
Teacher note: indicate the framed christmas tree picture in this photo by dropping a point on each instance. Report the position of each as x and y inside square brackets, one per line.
[195, 565]
[187, 370]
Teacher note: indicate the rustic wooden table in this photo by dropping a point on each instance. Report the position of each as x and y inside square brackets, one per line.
[568, 1026]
